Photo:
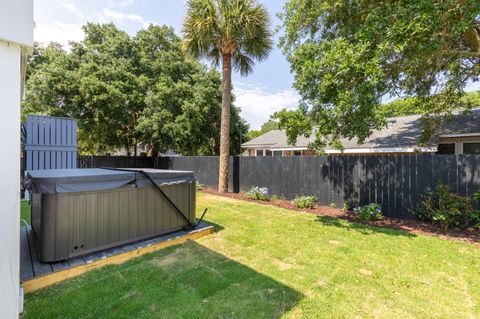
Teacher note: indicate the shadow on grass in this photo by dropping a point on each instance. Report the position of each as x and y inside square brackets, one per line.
[184, 281]
[361, 228]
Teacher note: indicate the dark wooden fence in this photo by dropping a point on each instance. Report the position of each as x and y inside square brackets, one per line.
[205, 168]
[115, 161]
[394, 181]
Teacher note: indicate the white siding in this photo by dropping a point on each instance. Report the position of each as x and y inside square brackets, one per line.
[16, 37]
[9, 179]
[16, 21]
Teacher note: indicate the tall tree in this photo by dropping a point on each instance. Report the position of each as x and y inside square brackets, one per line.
[126, 90]
[233, 33]
[348, 55]
[95, 83]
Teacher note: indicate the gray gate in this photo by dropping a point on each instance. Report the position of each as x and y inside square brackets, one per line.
[50, 142]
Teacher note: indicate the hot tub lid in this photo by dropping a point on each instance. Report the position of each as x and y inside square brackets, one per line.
[95, 179]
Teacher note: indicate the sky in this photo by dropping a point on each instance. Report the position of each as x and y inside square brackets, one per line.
[259, 95]
[266, 90]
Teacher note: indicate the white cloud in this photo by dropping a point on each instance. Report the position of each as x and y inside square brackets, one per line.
[70, 7]
[63, 32]
[121, 4]
[121, 17]
[257, 103]
[58, 32]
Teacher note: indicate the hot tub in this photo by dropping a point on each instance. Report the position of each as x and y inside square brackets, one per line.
[80, 211]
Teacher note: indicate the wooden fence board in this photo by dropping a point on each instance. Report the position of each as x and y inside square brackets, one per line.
[394, 181]
[50, 143]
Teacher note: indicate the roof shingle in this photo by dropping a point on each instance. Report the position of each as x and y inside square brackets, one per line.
[403, 131]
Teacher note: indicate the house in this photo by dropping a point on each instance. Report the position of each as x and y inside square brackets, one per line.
[401, 136]
[16, 41]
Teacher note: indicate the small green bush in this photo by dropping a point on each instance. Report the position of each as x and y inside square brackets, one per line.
[332, 205]
[198, 186]
[346, 207]
[302, 201]
[448, 209]
[257, 193]
[277, 197]
[370, 212]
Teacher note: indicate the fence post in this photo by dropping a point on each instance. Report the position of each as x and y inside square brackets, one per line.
[236, 174]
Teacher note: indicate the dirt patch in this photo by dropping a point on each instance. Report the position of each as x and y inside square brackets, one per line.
[182, 253]
[321, 282]
[165, 261]
[409, 226]
[335, 242]
[283, 265]
[365, 272]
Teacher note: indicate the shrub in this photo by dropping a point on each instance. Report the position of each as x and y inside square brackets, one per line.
[277, 197]
[258, 193]
[447, 208]
[198, 186]
[302, 201]
[370, 212]
[332, 205]
[346, 207]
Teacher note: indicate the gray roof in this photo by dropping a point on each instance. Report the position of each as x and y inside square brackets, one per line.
[276, 139]
[403, 131]
[463, 124]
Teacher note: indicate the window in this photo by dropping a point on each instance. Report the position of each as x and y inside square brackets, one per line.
[471, 148]
[259, 153]
[446, 148]
[297, 153]
[277, 153]
[268, 153]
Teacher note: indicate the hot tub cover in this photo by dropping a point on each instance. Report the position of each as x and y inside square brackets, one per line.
[96, 179]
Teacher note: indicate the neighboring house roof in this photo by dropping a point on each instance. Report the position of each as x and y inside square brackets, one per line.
[463, 124]
[402, 133]
[276, 139]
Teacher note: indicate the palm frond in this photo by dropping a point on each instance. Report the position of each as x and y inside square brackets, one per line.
[213, 28]
[242, 63]
[199, 27]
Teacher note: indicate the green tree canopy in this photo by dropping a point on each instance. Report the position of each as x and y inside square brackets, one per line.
[411, 105]
[127, 90]
[348, 55]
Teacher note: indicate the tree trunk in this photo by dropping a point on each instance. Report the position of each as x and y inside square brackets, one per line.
[225, 124]
[152, 151]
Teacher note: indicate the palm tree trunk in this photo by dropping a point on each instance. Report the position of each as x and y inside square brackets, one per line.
[225, 124]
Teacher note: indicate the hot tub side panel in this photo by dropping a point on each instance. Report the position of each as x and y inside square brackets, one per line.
[75, 224]
[48, 228]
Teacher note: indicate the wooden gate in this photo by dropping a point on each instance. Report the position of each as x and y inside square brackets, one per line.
[50, 142]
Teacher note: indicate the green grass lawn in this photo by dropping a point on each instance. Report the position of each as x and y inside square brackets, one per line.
[268, 262]
[25, 210]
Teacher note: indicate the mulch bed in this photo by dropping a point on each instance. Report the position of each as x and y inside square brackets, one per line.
[410, 226]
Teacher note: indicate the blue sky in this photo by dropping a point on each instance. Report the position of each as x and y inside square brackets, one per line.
[260, 94]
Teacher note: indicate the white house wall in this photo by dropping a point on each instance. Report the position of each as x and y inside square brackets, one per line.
[10, 80]
[16, 21]
[16, 38]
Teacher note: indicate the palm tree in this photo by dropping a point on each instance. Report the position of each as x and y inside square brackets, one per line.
[233, 33]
